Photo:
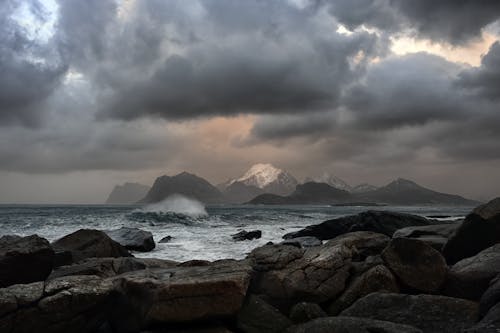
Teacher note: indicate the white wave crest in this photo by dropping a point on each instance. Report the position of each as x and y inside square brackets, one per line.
[178, 204]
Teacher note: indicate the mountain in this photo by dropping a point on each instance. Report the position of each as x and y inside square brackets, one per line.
[239, 192]
[267, 178]
[362, 188]
[330, 180]
[406, 192]
[127, 193]
[308, 193]
[185, 184]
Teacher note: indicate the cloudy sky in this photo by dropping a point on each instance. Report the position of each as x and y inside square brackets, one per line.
[99, 92]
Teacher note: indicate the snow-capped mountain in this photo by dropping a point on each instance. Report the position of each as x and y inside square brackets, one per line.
[331, 180]
[362, 188]
[268, 178]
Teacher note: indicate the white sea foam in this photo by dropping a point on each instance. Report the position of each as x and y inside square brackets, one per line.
[178, 204]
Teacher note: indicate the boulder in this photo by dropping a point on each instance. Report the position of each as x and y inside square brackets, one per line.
[303, 312]
[303, 242]
[470, 278]
[490, 323]
[363, 243]
[491, 297]
[480, 230]
[416, 264]
[166, 239]
[247, 235]
[183, 294]
[286, 272]
[378, 278]
[133, 238]
[24, 259]
[430, 313]
[435, 235]
[88, 243]
[346, 324]
[69, 304]
[383, 222]
[258, 316]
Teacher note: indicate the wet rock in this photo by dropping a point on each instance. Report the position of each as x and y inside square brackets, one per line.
[363, 243]
[287, 272]
[480, 230]
[247, 235]
[383, 222]
[133, 238]
[258, 316]
[379, 278]
[69, 304]
[166, 239]
[490, 297]
[24, 259]
[434, 235]
[87, 243]
[183, 294]
[346, 324]
[490, 323]
[416, 264]
[430, 313]
[470, 278]
[303, 242]
[303, 312]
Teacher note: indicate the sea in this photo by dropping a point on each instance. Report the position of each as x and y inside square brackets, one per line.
[197, 231]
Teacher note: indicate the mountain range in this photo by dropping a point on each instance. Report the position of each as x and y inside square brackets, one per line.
[266, 184]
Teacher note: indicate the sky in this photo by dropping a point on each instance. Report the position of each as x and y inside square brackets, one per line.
[95, 93]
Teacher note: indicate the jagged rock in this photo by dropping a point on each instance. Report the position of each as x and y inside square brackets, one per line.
[88, 243]
[470, 278]
[303, 312]
[416, 264]
[480, 230]
[351, 325]
[24, 259]
[434, 235]
[379, 278]
[430, 313]
[303, 242]
[182, 294]
[383, 222]
[490, 322]
[287, 272]
[68, 304]
[133, 238]
[490, 297]
[107, 267]
[166, 239]
[363, 243]
[247, 235]
[258, 316]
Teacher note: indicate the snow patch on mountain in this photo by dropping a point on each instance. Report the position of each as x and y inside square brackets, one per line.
[331, 180]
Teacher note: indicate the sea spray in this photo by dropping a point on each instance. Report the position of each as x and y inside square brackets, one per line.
[177, 204]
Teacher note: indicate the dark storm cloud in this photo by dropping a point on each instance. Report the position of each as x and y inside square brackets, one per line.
[454, 21]
[29, 71]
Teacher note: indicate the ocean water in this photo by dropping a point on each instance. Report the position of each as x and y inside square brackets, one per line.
[197, 232]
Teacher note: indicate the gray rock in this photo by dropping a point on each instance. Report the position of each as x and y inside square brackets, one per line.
[480, 230]
[346, 324]
[87, 243]
[247, 235]
[287, 272]
[434, 235]
[303, 242]
[379, 278]
[166, 239]
[490, 322]
[258, 316]
[470, 278]
[363, 243]
[303, 312]
[416, 264]
[24, 259]
[383, 222]
[133, 238]
[491, 297]
[430, 313]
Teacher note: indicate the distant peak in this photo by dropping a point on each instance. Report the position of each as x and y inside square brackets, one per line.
[403, 182]
[262, 174]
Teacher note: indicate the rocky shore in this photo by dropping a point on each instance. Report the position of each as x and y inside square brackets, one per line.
[372, 272]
